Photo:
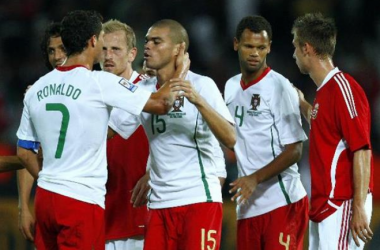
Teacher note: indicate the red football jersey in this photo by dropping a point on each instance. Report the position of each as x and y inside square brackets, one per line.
[340, 125]
[126, 165]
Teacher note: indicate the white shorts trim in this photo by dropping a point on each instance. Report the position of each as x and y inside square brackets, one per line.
[334, 232]
[125, 244]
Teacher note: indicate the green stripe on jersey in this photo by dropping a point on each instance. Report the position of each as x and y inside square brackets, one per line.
[279, 176]
[205, 184]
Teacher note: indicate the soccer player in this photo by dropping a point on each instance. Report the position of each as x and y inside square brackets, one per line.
[340, 157]
[54, 55]
[272, 203]
[126, 159]
[185, 199]
[67, 111]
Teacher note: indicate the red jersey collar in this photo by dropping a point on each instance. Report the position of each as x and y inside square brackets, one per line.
[68, 68]
[253, 82]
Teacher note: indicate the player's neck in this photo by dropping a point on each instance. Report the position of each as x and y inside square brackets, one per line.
[127, 73]
[80, 59]
[319, 70]
[164, 75]
[248, 77]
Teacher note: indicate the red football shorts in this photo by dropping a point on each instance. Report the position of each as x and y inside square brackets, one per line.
[282, 228]
[65, 223]
[191, 227]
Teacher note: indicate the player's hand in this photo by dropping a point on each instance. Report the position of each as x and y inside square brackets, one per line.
[183, 61]
[244, 188]
[185, 88]
[359, 226]
[26, 224]
[140, 191]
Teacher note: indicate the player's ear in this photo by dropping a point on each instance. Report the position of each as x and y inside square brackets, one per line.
[132, 54]
[236, 44]
[93, 40]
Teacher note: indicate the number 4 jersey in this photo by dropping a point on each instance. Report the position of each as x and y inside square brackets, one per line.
[267, 118]
[67, 110]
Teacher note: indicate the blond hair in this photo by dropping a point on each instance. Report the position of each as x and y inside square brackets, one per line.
[114, 25]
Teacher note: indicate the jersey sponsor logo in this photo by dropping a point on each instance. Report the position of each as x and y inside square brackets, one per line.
[128, 85]
[255, 103]
[178, 104]
[314, 111]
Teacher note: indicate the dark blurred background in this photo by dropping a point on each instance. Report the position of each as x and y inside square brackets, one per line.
[211, 26]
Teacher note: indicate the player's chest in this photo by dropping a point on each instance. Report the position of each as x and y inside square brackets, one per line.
[250, 107]
[184, 117]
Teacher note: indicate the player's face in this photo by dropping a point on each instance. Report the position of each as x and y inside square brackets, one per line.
[299, 55]
[253, 49]
[56, 52]
[159, 49]
[150, 72]
[116, 56]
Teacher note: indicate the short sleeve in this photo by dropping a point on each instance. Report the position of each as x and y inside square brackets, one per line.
[121, 93]
[124, 123]
[26, 129]
[352, 111]
[212, 95]
[284, 106]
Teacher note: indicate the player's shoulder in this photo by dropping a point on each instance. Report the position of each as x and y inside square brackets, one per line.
[277, 78]
[233, 81]
[198, 79]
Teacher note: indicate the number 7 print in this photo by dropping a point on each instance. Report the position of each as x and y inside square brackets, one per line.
[64, 125]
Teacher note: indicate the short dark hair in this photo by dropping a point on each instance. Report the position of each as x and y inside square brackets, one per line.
[78, 27]
[317, 30]
[53, 30]
[255, 24]
[177, 32]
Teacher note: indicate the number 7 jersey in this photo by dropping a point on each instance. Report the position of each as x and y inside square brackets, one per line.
[67, 110]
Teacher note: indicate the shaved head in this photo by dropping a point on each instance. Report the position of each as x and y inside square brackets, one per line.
[178, 33]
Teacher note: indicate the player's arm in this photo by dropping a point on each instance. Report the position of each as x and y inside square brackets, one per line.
[361, 171]
[162, 101]
[26, 220]
[9, 163]
[30, 160]
[246, 185]
[223, 130]
[305, 107]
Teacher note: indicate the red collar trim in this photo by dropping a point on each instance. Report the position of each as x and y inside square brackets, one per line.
[68, 68]
[157, 86]
[253, 82]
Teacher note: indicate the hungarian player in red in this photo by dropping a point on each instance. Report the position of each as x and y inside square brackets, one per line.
[272, 203]
[126, 158]
[341, 162]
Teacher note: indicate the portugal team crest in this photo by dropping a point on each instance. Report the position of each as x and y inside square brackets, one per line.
[255, 101]
[178, 103]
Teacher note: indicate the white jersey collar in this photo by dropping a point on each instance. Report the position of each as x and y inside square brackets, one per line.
[328, 77]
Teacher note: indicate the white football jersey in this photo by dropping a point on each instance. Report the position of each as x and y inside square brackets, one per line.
[67, 110]
[267, 118]
[182, 147]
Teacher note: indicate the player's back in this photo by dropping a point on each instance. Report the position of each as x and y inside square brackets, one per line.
[69, 110]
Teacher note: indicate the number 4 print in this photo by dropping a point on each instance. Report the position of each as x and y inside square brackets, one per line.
[65, 123]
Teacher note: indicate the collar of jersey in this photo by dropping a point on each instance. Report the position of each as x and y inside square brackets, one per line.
[253, 82]
[68, 68]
